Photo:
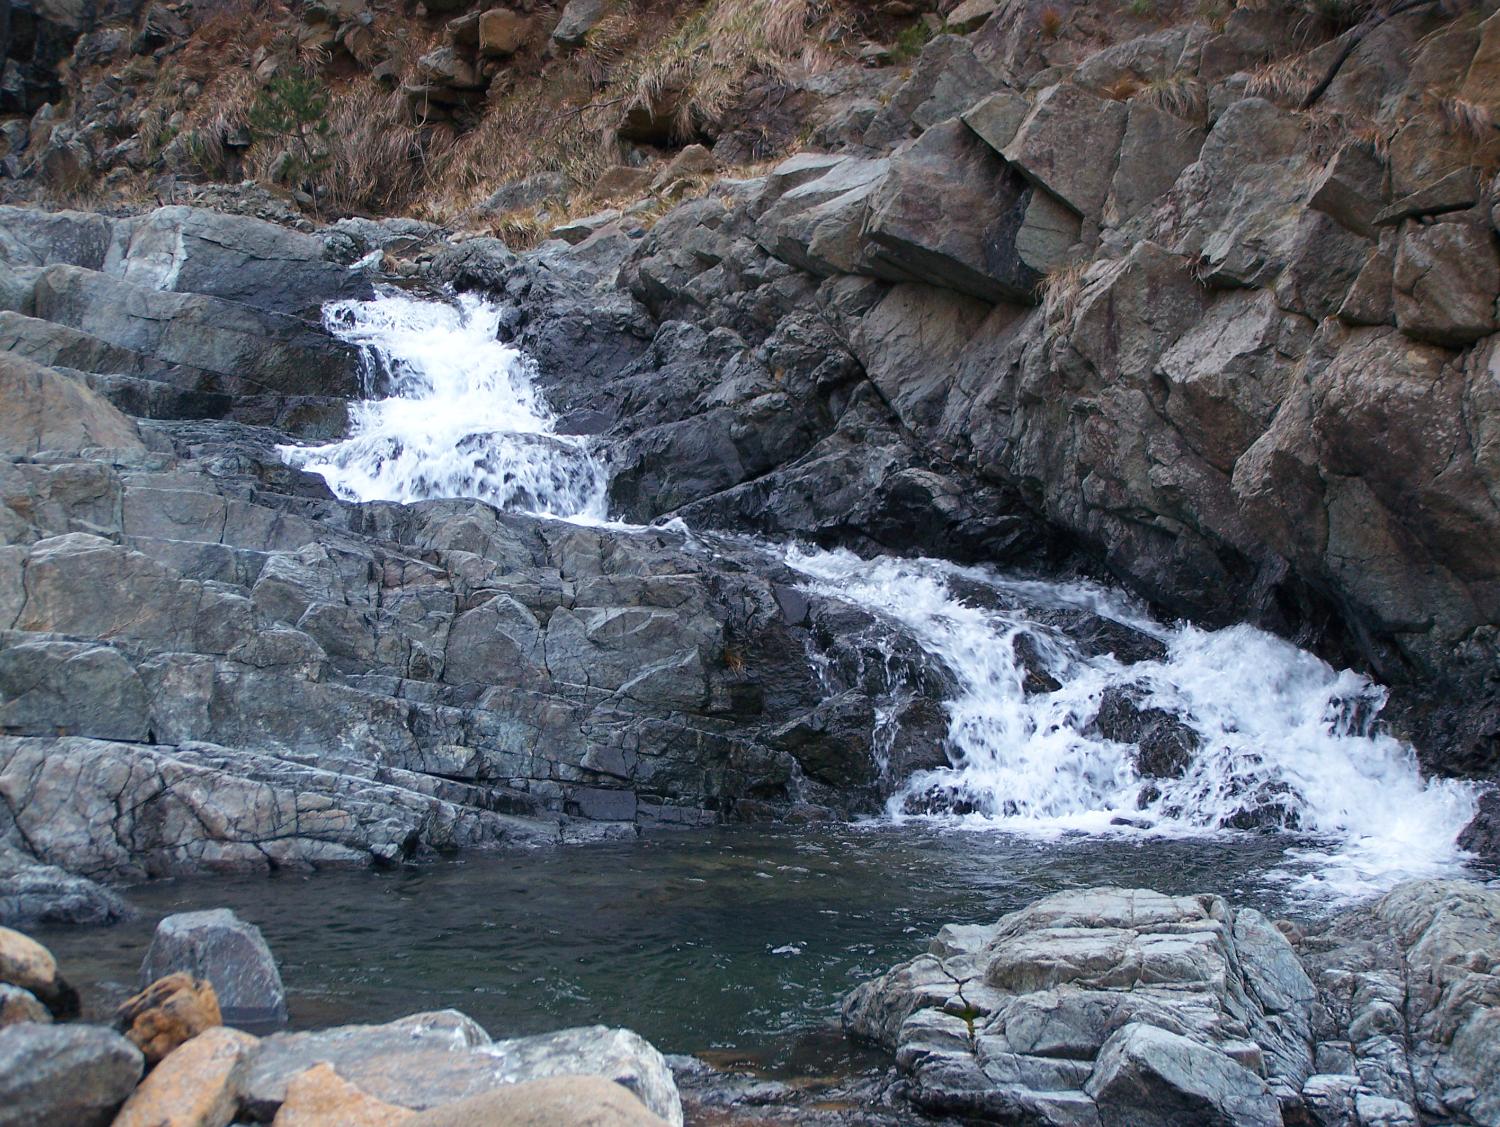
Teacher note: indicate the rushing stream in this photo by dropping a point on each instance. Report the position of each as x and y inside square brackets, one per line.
[736, 938]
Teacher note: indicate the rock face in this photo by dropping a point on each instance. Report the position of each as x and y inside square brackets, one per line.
[1114, 1006]
[1105, 1006]
[581, 1100]
[229, 955]
[64, 1075]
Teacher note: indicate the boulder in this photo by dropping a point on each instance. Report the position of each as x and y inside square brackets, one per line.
[64, 1075]
[17, 1005]
[1155, 148]
[579, 17]
[319, 1097]
[1069, 145]
[622, 180]
[948, 213]
[428, 1060]
[42, 410]
[582, 1101]
[231, 955]
[26, 964]
[234, 257]
[694, 160]
[1109, 1006]
[1446, 278]
[196, 1085]
[1350, 188]
[167, 1013]
[1146, 1076]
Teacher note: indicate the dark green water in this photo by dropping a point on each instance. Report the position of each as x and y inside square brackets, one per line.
[740, 941]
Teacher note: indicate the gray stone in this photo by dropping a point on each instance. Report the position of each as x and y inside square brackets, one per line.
[1150, 1077]
[997, 117]
[231, 955]
[1069, 144]
[1155, 148]
[947, 213]
[1457, 191]
[64, 1075]
[1446, 278]
[578, 18]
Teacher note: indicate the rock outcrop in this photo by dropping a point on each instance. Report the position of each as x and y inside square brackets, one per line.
[1113, 1006]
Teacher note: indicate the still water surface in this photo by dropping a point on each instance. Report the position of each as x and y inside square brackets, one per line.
[733, 940]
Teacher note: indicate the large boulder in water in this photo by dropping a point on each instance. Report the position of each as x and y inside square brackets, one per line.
[1106, 1005]
[230, 954]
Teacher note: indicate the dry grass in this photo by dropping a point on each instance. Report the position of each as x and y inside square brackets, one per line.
[376, 157]
[1286, 81]
[695, 72]
[1061, 291]
[1466, 120]
[1124, 88]
[1051, 22]
[1180, 95]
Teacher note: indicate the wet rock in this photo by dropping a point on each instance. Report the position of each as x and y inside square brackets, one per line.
[234, 257]
[230, 955]
[64, 1075]
[17, 1005]
[26, 964]
[319, 1097]
[1165, 745]
[429, 1060]
[196, 1085]
[539, 1103]
[33, 892]
[167, 1013]
[1482, 835]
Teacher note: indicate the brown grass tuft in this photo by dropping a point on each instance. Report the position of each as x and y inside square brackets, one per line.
[1061, 291]
[1051, 22]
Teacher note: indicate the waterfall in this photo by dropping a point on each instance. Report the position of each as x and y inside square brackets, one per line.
[450, 412]
[1254, 732]
[1283, 741]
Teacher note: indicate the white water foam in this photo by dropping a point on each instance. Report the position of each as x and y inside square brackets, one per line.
[1284, 738]
[451, 412]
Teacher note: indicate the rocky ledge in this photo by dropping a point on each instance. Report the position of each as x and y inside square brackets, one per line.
[173, 1054]
[1116, 1007]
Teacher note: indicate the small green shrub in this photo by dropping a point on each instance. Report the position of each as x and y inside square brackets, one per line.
[293, 108]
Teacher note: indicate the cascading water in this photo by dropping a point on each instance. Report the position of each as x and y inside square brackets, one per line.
[1281, 737]
[451, 412]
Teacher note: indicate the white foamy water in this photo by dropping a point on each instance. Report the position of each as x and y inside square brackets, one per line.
[451, 412]
[1284, 739]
